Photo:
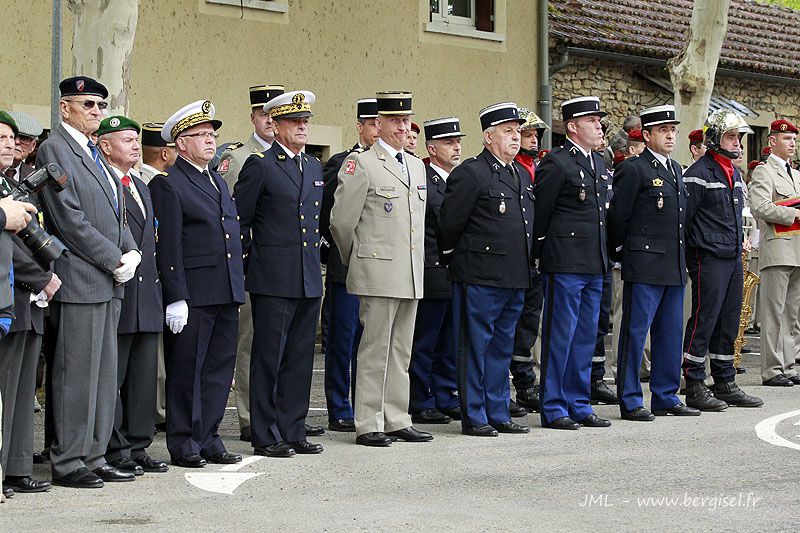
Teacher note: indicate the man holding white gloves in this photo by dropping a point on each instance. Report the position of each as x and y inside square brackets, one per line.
[199, 258]
[88, 217]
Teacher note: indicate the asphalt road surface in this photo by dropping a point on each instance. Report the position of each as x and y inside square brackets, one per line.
[729, 471]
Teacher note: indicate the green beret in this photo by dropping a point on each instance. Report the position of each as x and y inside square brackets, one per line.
[117, 123]
[5, 118]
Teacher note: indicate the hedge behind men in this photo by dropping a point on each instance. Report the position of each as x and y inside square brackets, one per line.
[779, 256]
[344, 330]
[88, 217]
[141, 317]
[714, 237]
[571, 186]
[378, 222]
[230, 164]
[645, 222]
[199, 257]
[485, 227]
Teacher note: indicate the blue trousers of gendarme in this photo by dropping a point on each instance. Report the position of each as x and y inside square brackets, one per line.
[484, 320]
[344, 334]
[569, 334]
[432, 371]
[658, 309]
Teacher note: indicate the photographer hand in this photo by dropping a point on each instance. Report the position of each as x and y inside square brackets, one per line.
[177, 316]
[127, 268]
[18, 214]
[52, 287]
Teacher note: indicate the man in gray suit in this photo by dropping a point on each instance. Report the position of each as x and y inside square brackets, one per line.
[88, 217]
[378, 223]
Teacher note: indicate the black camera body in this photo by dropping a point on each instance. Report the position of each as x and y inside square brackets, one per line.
[45, 247]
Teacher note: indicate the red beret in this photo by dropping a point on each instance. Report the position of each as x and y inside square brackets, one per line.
[766, 151]
[414, 127]
[695, 136]
[619, 157]
[783, 126]
[753, 164]
[635, 136]
[542, 153]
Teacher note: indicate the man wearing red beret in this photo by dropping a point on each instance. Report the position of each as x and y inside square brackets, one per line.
[779, 258]
[696, 145]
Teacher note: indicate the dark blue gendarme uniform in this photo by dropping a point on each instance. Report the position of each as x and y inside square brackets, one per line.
[713, 251]
[570, 242]
[485, 224]
[646, 220]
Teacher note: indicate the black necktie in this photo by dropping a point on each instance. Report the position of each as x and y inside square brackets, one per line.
[213, 184]
[789, 169]
[671, 168]
[399, 158]
[514, 174]
[296, 159]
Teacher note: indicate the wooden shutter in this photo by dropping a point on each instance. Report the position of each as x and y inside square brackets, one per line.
[484, 15]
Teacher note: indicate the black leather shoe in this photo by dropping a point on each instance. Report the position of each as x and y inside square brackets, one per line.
[480, 431]
[128, 465]
[246, 434]
[41, 458]
[345, 425]
[699, 397]
[25, 484]
[303, 446]
[223, 458]
[677, 410]
[511, 427]
[752, 331]
[430, 416]
[190, 461]
[602, 394]
[410, 434]
[745, 349]
[8, 492]
[82, 478]
[794, 379]
[161, 427]
[110, 474]
[529, 399]
[741, 370]
[779, 381]
[564, 422]
[516, 410]
[454, 413]
[731, 394]
[594, 421]
[314, 431]
[637, 414]
[279, 449]
[149, 464]
[375, 438]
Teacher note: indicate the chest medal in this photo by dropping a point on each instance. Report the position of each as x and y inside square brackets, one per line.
[660, 202]
[582, 195]
[502, 207]
[388, 207]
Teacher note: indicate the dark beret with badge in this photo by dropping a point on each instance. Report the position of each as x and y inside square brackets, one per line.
[117, 123]
[9, 121]
[782, 126]
[79, 85]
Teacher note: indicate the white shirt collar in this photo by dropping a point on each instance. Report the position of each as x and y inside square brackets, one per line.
[439, 170]
[291, 154]
[779, 160]
[391, 151]
[199, 169]
[79, 137]
[661, 159]
[149, 168]
[579, 147]
[262, 142]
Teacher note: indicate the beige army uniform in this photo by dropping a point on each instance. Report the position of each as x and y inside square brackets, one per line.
[378, 223]
[230, 164]
[779, 265]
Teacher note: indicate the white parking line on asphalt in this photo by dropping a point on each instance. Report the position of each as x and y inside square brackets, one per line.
[320, 409]
[766, 430]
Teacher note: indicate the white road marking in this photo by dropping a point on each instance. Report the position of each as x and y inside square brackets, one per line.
[226, 479]
[320, 409]
[765, 430]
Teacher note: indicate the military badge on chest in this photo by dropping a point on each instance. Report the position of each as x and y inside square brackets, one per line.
[388, 206]
[658, 182]
[582, 191]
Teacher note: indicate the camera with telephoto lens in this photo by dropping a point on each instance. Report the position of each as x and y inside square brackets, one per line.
[45, 247]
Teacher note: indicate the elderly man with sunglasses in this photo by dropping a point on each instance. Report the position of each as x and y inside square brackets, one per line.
[88, 217]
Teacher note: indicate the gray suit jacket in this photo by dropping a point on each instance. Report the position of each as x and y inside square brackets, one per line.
[771, 183]
[83, 216]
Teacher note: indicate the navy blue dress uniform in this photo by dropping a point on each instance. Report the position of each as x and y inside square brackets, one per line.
[646, 222]
[344, 328]
[714, 236]
[484, 232]
[570, 231]
[141, 321]
[432, 372]
[199, 259]
[278, 195]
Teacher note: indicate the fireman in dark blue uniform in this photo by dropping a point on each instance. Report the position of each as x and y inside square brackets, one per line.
[714, 237]
[645, 223]
[569, 228]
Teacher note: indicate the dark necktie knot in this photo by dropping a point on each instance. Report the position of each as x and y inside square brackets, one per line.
[789, 169]
[399, 158]
[11, 172]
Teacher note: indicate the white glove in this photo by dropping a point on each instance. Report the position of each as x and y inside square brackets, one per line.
[177, 316]
[130, 260]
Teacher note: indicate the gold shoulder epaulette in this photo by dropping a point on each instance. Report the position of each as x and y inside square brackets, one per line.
[259, 154]
[162, 174]
[233, 146]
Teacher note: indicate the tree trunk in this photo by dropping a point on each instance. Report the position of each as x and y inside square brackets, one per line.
[102, 45]
[693, 70]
